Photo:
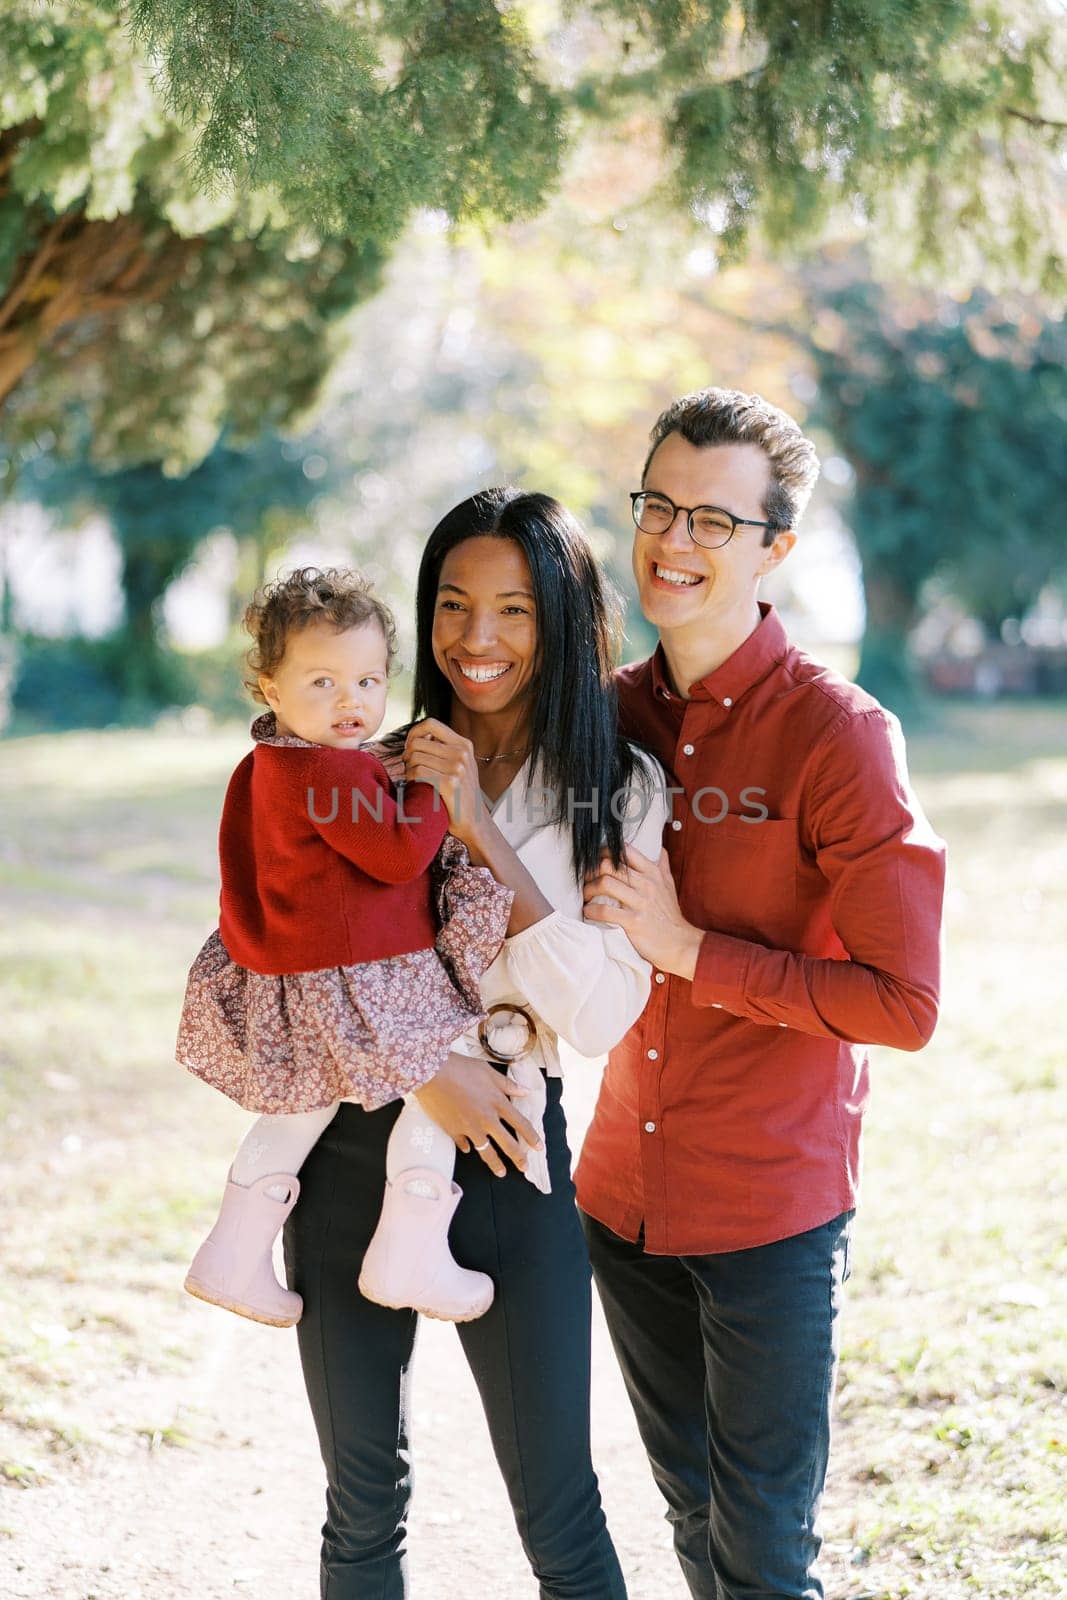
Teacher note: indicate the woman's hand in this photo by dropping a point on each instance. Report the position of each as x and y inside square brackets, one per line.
[472, 1103]
[433, 753]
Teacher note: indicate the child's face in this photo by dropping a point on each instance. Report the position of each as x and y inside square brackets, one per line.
[330, 688]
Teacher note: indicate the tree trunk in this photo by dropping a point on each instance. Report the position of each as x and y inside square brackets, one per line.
[886, 668]
[147, 672]
[253, 555]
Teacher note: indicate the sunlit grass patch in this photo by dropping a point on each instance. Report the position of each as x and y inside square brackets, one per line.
[948, 1467]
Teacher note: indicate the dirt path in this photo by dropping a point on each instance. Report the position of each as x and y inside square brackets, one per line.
[237, 1509]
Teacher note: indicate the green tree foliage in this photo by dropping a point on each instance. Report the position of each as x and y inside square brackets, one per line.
[954, 420]
[130, 296]
[951, 410]
[356, 115]
[191, 191]
[175, 271]
[942, 119]
[770, 114]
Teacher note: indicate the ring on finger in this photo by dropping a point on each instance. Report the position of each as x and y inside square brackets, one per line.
[484, 1146]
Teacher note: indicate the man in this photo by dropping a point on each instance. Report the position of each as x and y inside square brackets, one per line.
[718, 1177]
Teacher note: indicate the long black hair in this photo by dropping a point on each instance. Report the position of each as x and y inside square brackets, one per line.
[573, 720]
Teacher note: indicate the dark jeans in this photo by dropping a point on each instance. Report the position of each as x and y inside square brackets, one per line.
[729, 1361]
[529, 1355]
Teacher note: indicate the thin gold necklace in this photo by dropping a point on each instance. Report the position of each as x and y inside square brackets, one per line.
[501, 755]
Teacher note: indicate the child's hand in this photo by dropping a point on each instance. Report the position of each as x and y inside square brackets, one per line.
[391, 758]
[433, 753]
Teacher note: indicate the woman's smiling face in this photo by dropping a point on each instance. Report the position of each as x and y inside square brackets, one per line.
[485, 624]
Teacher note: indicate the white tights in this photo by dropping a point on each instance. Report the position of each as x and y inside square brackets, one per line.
[282, 1143]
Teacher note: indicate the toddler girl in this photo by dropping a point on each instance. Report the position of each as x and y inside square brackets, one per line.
[342, 967]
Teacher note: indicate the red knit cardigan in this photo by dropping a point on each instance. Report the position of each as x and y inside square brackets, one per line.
[322, 866]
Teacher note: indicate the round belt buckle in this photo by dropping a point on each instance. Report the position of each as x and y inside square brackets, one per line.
[510, 1016]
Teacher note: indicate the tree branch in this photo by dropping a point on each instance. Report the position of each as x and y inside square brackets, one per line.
[1032, 119]
[97, 270]
[33, 273]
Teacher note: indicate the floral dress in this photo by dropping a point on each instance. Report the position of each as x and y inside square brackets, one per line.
[368, 1033]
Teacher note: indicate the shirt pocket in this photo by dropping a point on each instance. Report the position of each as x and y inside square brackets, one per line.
[740, 878]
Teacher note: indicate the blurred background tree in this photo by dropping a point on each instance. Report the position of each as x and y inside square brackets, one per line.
[191, 192]
[258, 496]
[193, 287]
[953, 418]
[137, 304]
[577, 210]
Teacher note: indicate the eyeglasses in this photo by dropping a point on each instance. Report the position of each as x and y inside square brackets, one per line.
[709, 526]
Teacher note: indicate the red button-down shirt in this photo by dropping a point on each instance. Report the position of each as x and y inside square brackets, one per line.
[730, 1114]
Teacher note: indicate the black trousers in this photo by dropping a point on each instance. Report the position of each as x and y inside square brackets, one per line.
[729, 1361]
[529, 1355]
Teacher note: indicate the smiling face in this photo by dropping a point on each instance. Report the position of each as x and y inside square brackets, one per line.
[691, 594]
[330, 688]
[485, 626]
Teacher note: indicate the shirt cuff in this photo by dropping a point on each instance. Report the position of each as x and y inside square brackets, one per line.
[721, 971]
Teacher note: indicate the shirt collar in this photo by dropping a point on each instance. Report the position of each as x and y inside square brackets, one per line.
[765, 646]
[264, 730]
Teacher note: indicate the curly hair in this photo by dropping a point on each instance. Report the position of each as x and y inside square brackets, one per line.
[338, 596]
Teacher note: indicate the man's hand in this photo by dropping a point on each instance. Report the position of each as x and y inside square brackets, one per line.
[647, 910]
[472, 1103]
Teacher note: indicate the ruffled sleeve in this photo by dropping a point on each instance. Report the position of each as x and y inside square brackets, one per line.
[585, 979]
[472, 913]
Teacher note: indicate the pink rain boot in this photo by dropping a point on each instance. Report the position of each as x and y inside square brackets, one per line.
[233, 1267]
[408, 1262]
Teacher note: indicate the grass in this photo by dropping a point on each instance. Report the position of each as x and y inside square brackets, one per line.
[949, 1457]
[107, 869]
[950, 1450]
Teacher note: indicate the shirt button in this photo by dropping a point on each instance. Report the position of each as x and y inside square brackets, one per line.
[653, 1055]
[677, 826]
[650, 1127]
[726, 700]
[783, 1024]
[660, 978]
[687, 749]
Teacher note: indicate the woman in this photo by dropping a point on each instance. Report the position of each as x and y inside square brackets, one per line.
[513, 668]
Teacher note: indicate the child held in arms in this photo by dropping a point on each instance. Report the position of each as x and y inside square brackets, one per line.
[352, 935]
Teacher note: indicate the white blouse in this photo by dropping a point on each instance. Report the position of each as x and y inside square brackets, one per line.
[580, 981]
